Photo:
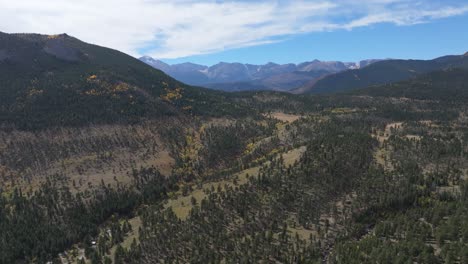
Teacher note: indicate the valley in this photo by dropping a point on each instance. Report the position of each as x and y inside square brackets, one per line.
[104, 159]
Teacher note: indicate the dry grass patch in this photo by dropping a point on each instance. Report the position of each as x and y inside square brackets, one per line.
[289, 118]
[82, 156]
[135, 223]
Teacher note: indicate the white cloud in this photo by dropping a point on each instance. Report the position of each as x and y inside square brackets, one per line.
[177, 28]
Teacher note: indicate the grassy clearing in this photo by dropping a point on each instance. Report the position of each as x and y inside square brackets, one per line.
[381, 155]
[289, 118]
[301, 232]
[343, 110]
[181, 205]
[135, 224]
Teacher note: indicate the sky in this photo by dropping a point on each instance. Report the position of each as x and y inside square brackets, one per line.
[255, 31]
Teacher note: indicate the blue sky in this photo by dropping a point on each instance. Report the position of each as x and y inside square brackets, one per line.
[255, 31]
[422, 41]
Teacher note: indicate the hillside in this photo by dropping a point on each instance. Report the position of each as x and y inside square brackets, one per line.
[376, 176]
[445, 85]
[382, 72]
[104, 159]
[60, 80]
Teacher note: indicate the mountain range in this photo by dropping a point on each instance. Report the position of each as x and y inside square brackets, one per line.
[238, 77]
[308, 77]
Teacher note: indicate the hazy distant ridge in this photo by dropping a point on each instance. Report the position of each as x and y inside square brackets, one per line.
[239, 76]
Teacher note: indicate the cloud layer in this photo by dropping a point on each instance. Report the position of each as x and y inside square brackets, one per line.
[179, 28]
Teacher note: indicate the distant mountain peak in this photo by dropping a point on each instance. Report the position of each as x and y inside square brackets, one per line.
[466, 54]
[146, 57]
[269, 76]
[155, 63]
[189, 64]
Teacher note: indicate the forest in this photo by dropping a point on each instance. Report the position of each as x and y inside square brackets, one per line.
[345, 179]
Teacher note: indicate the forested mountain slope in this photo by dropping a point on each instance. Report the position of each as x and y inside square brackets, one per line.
[446, 85]
[77, 121]
[59, 80]
[383, 72]
[383, 178]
